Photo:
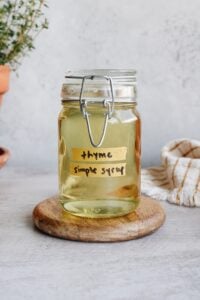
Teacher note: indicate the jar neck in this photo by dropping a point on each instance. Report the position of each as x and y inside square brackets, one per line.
[75, 103]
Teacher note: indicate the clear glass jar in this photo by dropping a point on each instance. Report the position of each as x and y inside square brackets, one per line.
[99, 144]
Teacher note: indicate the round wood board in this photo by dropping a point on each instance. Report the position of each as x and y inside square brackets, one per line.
[49, 217]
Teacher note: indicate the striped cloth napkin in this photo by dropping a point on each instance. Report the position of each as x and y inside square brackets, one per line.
[177, 180]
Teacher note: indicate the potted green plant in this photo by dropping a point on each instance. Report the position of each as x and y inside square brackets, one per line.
[20, 23]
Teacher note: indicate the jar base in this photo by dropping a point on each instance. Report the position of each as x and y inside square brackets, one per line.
[100, 208]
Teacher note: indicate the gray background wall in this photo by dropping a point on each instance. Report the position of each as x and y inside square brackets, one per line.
[159, 38]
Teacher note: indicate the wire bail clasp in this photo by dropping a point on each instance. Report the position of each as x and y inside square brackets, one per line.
[107, 103]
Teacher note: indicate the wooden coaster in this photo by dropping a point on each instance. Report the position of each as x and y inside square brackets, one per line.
[49, 217]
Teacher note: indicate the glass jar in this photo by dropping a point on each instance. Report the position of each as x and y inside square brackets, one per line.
[99, 144]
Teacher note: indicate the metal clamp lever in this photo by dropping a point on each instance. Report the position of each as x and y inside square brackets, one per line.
[107, 103]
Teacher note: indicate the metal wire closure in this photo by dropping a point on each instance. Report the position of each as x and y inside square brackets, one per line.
[107, 103]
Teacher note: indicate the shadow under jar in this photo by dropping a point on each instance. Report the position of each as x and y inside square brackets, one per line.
[99, 144]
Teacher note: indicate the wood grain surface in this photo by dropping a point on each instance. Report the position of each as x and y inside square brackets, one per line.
[49, 217]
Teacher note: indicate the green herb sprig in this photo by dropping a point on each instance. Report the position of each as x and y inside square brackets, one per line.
[20, 23]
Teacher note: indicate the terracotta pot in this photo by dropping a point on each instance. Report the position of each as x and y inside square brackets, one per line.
[4, 80]
[4, 86]
[4, 155]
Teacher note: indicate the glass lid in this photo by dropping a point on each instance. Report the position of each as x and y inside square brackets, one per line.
[100, 84]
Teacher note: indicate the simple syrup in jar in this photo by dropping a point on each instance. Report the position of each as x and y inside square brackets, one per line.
[99, 144]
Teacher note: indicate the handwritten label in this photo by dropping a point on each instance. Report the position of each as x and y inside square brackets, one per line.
[99, 155]
[98, 170]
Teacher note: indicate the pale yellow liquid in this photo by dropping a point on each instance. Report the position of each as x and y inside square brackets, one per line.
[99, 197]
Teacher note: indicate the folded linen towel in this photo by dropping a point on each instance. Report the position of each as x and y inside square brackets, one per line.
[177, 180]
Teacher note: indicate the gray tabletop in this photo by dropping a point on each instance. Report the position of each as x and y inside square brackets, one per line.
[164, 265]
